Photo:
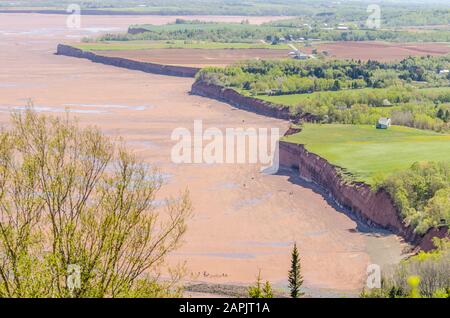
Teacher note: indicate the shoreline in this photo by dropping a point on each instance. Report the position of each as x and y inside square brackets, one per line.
[357, 197]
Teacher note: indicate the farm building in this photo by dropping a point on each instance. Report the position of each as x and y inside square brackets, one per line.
[383, 123]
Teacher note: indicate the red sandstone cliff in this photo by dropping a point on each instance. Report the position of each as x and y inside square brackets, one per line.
[373, 208]
[171, 70]
[232, 97]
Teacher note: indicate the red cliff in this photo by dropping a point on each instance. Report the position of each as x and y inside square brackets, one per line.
[374, 208]
[171, 70]
[237, 100]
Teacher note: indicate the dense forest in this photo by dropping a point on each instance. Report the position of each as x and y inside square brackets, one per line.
[294, 76]
[271, 33]
[422, 194]
[391, 17]
[322, 11]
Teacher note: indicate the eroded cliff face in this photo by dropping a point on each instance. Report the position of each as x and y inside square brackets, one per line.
[374, 208]
[154, 68]
[426, 244]
[136, 30]
[237, 100]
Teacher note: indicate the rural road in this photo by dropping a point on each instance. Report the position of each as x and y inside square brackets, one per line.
[243, 221]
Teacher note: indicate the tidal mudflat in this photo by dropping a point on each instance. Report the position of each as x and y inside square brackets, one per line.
[239, 214]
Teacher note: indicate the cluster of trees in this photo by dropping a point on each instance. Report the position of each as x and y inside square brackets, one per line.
[422, 194]
[331, 90]
[294, 77]
[244, 32]
[195, 31]
[78, 215]
[295, 278]
[413, 108]
[307, 11]
[426, 275]
[421, 116]
[356, 15]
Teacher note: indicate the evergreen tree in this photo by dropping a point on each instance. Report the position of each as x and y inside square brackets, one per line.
[256, 290]
[260, 291]
[295, 277]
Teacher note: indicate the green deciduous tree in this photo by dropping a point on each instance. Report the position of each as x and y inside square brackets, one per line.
[70, 198]
[259, 290]
[426, 274]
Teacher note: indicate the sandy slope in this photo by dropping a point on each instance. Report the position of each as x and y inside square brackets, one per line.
[243, 221]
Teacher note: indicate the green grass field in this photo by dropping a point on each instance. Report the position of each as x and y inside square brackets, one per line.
[362, 96]
[175, 44]
[366, 152]
[296, 99]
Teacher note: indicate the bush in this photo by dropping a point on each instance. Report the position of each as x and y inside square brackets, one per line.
[423, 275]
[422, 194]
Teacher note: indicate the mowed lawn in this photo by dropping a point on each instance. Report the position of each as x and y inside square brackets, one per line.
[366, 152]
[296, 99]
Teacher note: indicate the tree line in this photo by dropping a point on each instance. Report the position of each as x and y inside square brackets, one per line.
[413, 92]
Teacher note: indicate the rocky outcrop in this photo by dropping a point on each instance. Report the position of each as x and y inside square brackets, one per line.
[374, 208]
[171, 70]
[426, 244]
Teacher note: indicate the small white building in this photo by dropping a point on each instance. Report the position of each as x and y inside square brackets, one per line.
[384, 123]
[342, 27]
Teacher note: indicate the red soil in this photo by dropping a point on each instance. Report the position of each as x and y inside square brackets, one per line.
[243, 221]
[341, 50]
[382, 51]
[197, 57]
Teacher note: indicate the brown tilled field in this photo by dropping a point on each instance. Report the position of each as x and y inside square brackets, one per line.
[382, 51]
[341, 50]
[197, 57]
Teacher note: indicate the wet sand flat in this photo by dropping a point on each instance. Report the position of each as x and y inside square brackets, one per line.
[243, 221]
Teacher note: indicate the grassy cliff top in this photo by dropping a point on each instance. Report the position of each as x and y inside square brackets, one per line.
[366, 152]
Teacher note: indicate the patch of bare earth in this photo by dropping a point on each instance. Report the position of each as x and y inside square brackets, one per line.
[197, 57]
[382, 51]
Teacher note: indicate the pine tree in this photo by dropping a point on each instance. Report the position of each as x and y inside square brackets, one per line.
[295, 277]
[256, 290]
[260, 291]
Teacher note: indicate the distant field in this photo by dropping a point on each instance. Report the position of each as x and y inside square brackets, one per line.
[366, 152]
[296, 99]
[195, 57]
[382, 51]
[145, 45]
